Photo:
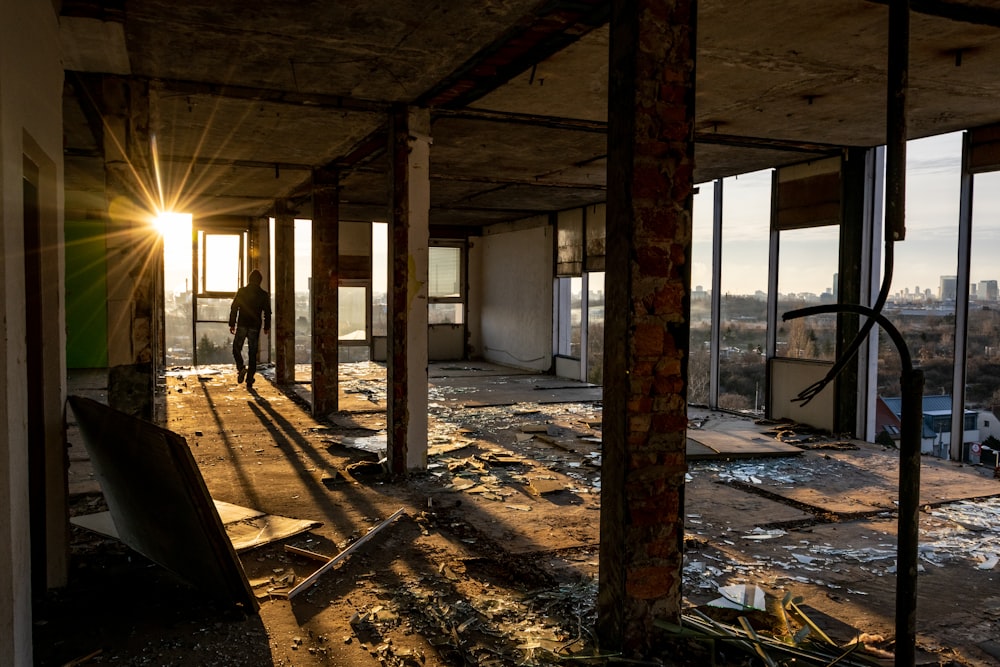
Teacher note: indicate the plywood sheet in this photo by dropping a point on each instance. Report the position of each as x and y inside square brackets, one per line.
[247, 528]
[158, 500]
[746, 443]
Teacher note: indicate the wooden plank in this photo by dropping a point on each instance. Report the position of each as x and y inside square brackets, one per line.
[311, 579]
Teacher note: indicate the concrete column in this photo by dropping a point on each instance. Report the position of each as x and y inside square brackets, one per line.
[283, 325]
[853, 178]
[325, 279]
[650, 191]
[134, 250]
[409, 229]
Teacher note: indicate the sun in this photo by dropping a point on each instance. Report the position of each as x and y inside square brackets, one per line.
[173, 227]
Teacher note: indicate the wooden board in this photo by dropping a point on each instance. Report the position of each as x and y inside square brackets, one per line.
[159, 502]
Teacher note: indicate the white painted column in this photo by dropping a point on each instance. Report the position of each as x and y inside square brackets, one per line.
[409, 231]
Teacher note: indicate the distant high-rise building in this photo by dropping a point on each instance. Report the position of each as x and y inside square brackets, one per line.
[987, 290]
[836, 286]
[948, 289]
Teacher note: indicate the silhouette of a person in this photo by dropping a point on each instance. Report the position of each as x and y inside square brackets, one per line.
[250, 310]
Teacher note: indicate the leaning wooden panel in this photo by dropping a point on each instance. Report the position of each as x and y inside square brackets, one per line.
[158, 500]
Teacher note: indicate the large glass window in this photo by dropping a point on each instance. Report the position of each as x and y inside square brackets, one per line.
[982, 389]
[303, 291]
[352, 309]
[595, 327]
[380, 279]
[807, 276]
[743, 326]
[569, 300]
[922, 302]
[699, 364]
[444, 285]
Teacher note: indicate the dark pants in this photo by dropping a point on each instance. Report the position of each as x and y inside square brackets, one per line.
[252, 337]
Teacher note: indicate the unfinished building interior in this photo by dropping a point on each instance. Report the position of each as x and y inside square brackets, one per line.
[535, 168]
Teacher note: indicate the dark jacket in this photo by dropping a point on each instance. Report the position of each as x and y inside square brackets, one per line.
[250, 302]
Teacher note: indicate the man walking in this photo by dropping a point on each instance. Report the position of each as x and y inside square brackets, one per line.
[251, 308]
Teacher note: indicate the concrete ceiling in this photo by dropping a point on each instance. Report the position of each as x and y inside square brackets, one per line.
[249, 97]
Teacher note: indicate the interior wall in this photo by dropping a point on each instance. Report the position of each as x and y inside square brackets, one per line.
[516, 311]
[30, 126]
[86, 295]
[474, 299]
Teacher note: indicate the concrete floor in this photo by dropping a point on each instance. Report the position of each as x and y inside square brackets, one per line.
[512, 497]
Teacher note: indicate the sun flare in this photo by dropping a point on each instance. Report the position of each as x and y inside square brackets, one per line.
[175, 227]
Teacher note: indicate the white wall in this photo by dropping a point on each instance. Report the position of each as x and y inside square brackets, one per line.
[516, 313]
[988, 425]
[31, 79]
[788, 378]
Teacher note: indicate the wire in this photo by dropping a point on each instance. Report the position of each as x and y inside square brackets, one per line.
[813, 390]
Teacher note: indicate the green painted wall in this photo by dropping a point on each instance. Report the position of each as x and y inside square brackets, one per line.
[86, 295]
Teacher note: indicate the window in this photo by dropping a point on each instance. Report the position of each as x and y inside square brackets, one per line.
[569, 302]
[445, 296]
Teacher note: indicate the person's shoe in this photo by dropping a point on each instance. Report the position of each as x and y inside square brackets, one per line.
[250, 383]
[240, 375]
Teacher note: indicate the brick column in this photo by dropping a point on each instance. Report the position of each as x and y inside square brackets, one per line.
[650, 187]
[283, 326]
[325, 280]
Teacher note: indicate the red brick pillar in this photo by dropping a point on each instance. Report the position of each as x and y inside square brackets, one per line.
[325, 282]
[650, 188]
[283, 324]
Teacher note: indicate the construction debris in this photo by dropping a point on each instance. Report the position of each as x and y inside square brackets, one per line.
[311, 579]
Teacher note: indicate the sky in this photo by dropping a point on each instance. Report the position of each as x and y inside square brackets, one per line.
[808, 258]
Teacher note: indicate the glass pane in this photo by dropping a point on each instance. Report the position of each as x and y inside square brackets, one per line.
[213, 310]
[745, 236]
[444, 273]
[221, 264]
[215, 344]
[595, 327]
[699, 366]
[807, 276]
[570, 316]
[177, 289]
[380, 280]
[445, 313]
[922, 294]
[982, 389]
[352, 309]
[303, 295]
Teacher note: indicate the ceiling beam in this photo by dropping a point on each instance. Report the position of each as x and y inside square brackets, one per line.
[963, 12]
[534, 120]
[271, 95]
[766, 143]
[548, 30]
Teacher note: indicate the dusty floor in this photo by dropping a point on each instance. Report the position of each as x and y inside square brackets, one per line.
[495, 559]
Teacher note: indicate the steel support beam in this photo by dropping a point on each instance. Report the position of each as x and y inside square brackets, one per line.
[962, 290]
